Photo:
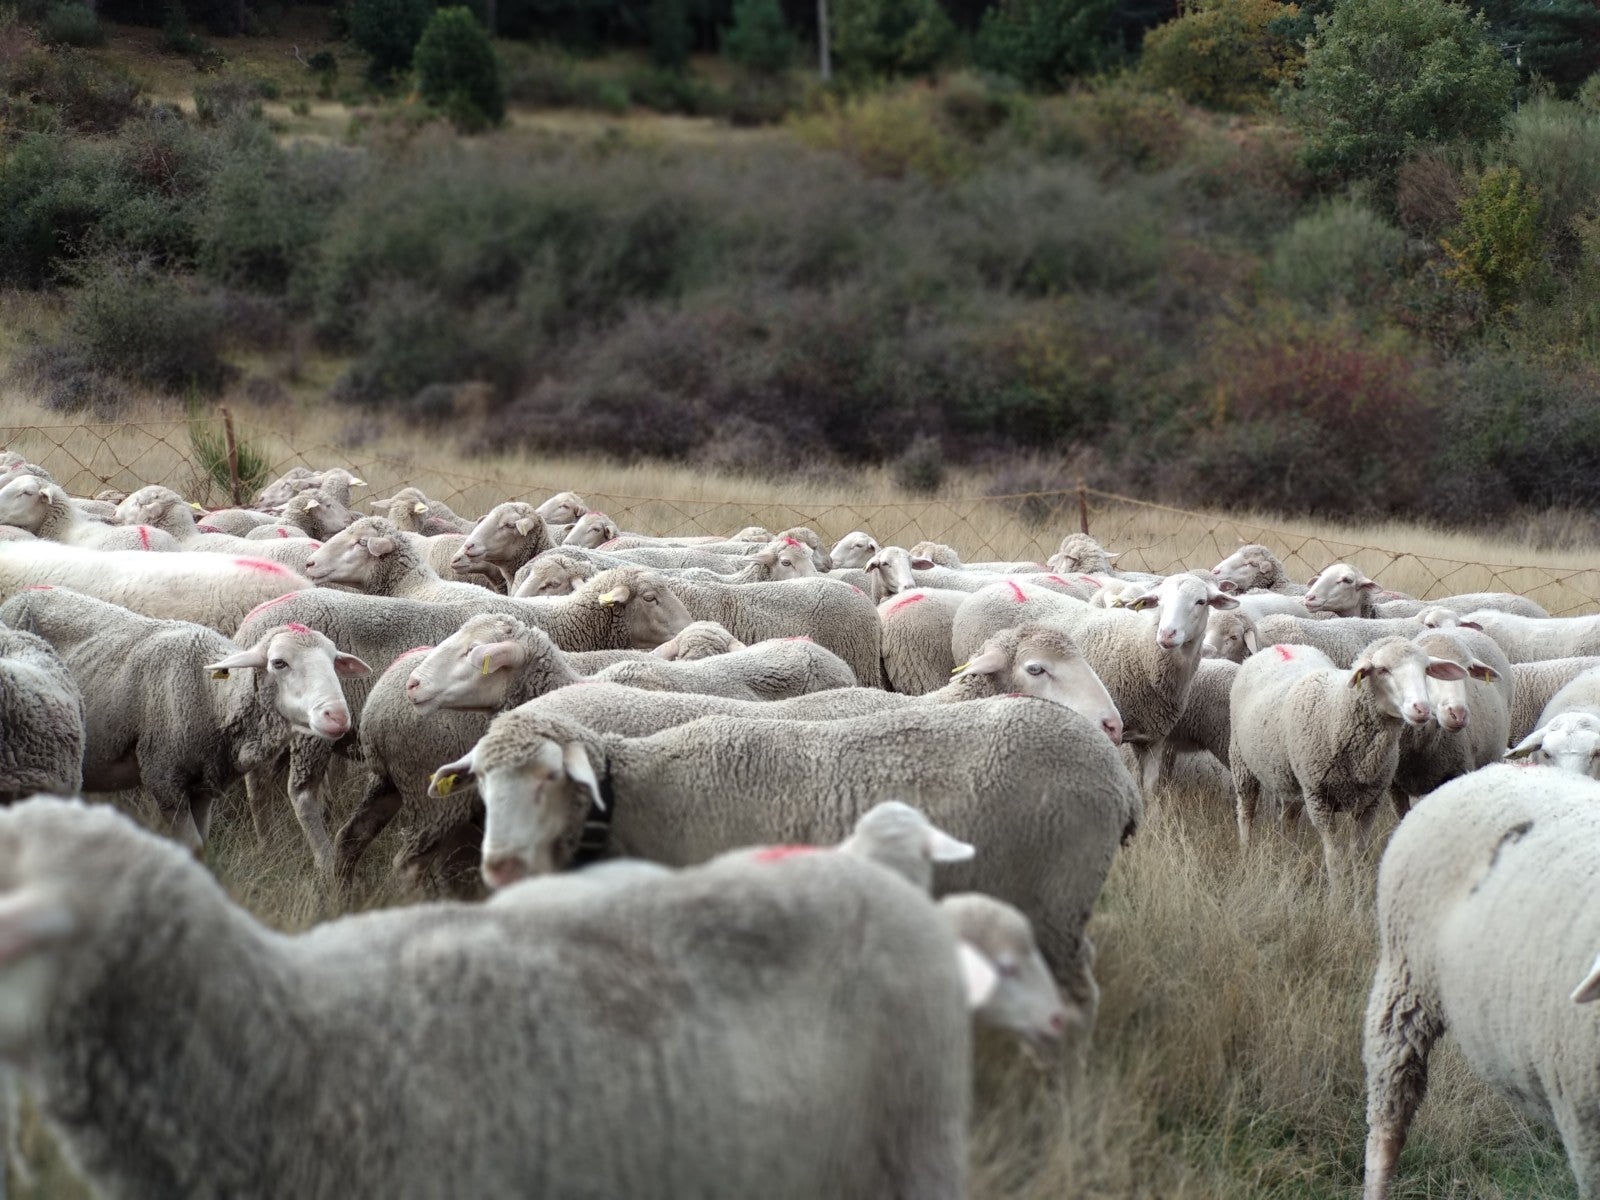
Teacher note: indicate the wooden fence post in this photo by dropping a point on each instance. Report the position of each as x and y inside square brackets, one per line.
[1083, 508]
[233, 459]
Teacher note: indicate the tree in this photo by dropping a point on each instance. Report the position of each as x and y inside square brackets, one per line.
[457, 71]
[387, 31]
[1558, 40]
[758, 38]
[1384, 77]
[1225, 54]
[890, 37]
[1045, 43]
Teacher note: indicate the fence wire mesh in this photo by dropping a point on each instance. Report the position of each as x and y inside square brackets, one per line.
[191, 457]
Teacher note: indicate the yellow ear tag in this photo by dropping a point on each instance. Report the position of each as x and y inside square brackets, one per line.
[485, 664]
[443, 785]
[222, 674]
[962, 667]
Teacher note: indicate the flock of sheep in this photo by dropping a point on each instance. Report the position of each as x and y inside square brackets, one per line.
[639, 745]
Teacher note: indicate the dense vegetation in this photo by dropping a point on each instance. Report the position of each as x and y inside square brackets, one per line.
[1337, 260]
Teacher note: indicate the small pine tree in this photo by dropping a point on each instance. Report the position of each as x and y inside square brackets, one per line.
[891, 37]
[1045, 43]
[387, 32]
[457, 70]
[758, 38]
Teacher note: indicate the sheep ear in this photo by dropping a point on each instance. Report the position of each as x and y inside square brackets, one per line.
[978, 976]
[987, 662]
[444, 780]
[28, 920]
[942, 848]
[1250, 640]
[376, 503]
[617, 595]
[348, 666]
[1465, 624]
[1112, 558]
[310, 504]
[1528, 745]
[1228, 585]
[1363, 669]
[524, 525]
[1057, 562]
[1443, 668]
[1589, 989]
[767, 557]
[667, 650]
[496, 656]
[1483, 671]
[1367, 585]
[1147, 600]
[379, 545]
[921, 563]
[246, 659]
[576, 761]
[1222, 600]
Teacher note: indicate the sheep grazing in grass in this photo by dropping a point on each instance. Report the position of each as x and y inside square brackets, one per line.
[1483, 933]
[1307, 733]
[180, 709]
[397, 1054]
[41, 720]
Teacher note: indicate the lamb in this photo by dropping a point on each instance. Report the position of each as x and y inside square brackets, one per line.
[772, 670]
[1015, 992]
[902, 839]
[214, 590]
[563, 508]
[1529, 639]
[1254, 566]
[41, 717]
[1536, 682]
[916, 627]
[1342, 639]
[181, 709]
[163, 509]
[423, 1026]
[1307, 733]
[1480, 935]
[509, 536]
[1036, 786]
[48, 513]
[854, 549]
[1471, 717]
[1230, 635]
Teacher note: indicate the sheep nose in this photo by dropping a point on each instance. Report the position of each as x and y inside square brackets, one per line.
[1113, 729]
[1456, 718]
[1418, 712]
[1058, 1023]
[502, 870]
[413, 684]
[1167, 639]
[335, 721]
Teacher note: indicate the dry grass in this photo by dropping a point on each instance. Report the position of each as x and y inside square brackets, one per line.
[1227, 1060]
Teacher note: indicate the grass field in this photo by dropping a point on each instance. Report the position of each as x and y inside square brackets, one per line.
[1227, 1059]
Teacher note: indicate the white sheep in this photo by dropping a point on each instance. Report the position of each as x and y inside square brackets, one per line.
[47, 512]
[1254, 566]
[1567, 734]
[1536, 682]
[508, 537]
[1308, 733]
[1471, 716]
[916, 628]
[1483, 933]
[776, 669]
[1230, 635]
[41, 720]
[854, 549]
[1345, 591]
[1529, 639]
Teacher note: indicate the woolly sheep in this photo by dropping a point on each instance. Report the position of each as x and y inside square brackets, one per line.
[1206, 720]
[163, 509]
[47, 512]
[591, 531]
[214, 590]
[562, 509]
[916, 628]
[776, 669]
[508, 537]
[902, 839]
[237, 522]
[1536, 682]
[315, 514]
[1230, 635]
[1568, 730]
[1342, 639]
[1345, 591]
[552, 573]
[1036, 786]
[854, 549]
[1471, 716]
[181, 709]
[422, 1028]
[41, 720]
[1529, 639]
[336, 480]
[1015, 992]
[1309, 733]
[1080, 552]
[697, 640]
[415, 512]
[376, 558]
[1483, 934]
[1254, 566]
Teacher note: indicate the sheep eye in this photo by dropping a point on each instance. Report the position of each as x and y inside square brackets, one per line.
[1008, 969]
[278, 664]
[1034, 669]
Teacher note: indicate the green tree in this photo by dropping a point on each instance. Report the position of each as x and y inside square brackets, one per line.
[457, 71]
[890, 37]
[758, 38]
[387, 31]
[1384, 77]
[1558, 40]
[1045, 43]
[1495, 248]
[1226, 54]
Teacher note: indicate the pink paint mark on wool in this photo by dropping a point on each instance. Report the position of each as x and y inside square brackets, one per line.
[1089, 579]
[262, 607]
[768, 854]
[409, 654]
[1016, 592]
[857, 590]
[207, 529]
[282, 532]
[1055, 579]
[144, 537]
[1284, 652]
[791, 541]
[800, 638]
[40, 587]
[902, 602]
[296, 627]
[609, 544]
[261, 564]
[594, 512]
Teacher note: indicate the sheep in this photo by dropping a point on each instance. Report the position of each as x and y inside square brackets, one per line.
[1529, 639]
[1146, 666]
[163, 509]
[902, 839]
[1536, 682]
[376, 558]
[1254, 566]
[776, 669]
[1080, 552]
[181, 709]
[916, 626]
[1471, 716]
[562, 509]
[1230, 635]
[1567, 733]
[1342, 639]
[336, 480]
[683, 1006]
[508, 537]
[238, 522]
[1483, 934]
[854, 549]
[697, 640]
[415, 512]
[1014, 991]
[313, 513]
[1041, 790]
[1205, 724]
[47, 512]
[590, 531]
[41, 719]
[1343, 590]
[214, 590]
[1308, 733]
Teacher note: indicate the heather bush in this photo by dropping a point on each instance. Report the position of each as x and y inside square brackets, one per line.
[62, 88]
[1225, 54]
[1427, 192]
[1341, 253]
[891, 134]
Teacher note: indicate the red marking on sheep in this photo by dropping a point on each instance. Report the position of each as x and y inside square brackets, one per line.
[411, 653]
[594, 512]
[261, 564]
[40, 587]
[1016, 591]
[768, 854]
[857, 590]
[1055, 579]
[791, 541]
[1089, 579]
[144, 537]
[282, 532]
[296, 627]
[264, 605]
[902, 601]
[608, 544]
[1284, 652]
[207, 529]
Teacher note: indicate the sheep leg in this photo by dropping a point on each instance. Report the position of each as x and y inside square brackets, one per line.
[1400, 1031]
[1400, 800]
[171, 793]
[307, 765]
[379, 804]
[1081, 995]
[1247, 791]
[1323, 820]
[1583, 1148]
[259, 787]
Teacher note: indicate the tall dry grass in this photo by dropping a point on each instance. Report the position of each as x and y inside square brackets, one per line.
[1227, 1059]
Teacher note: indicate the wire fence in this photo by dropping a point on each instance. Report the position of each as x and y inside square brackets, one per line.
[193, 457]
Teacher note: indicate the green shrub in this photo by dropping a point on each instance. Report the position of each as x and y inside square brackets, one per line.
[42, 89]
[759, 39]
[1046, 43]
[1386, 77]
[669, 34]
[144, 326]
[888, 133]
[457, 71]
[225, 98]
[1342, 253]
[387, 31]
[1556, 147]
[1495, 248]
[71, 25]
[1589, 93]
[1225, 54]
[890, 37]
